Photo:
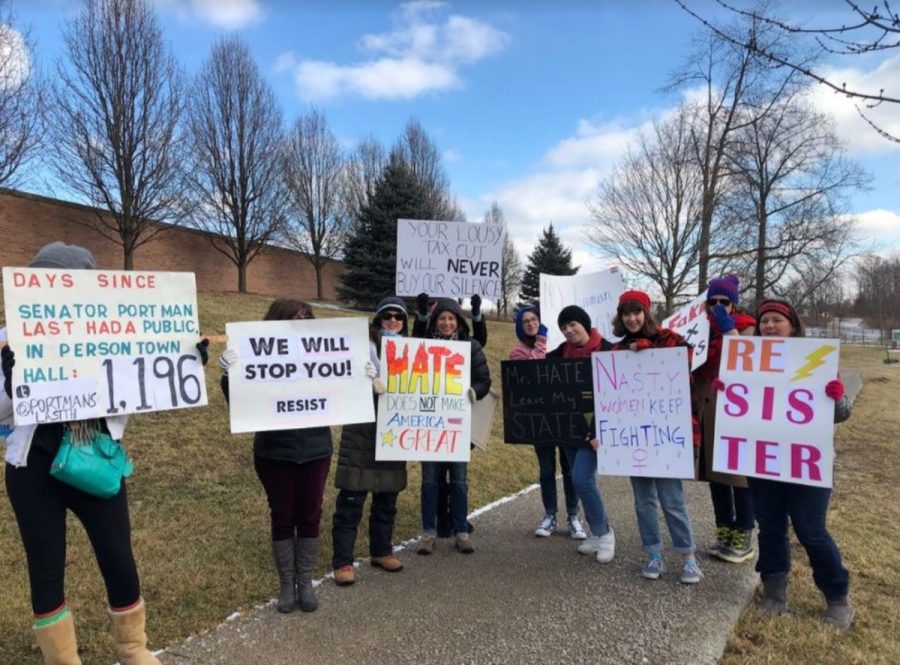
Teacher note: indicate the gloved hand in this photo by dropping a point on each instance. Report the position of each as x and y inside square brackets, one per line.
[835, 389]
[378, 387]
[476, 307]
[717, 384]
[9, 359]
[422, 304]
[203, 348]
[227, 360]
[471, 396]
[371, 370]
[641, 345]
[542, 331]
[723, 318]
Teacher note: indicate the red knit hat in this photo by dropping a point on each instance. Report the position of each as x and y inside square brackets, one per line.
[638, 296]
[776, 306]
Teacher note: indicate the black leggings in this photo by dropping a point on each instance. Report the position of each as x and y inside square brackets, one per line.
[40, 502]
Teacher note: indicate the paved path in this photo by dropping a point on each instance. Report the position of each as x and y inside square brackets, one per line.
[518, 599]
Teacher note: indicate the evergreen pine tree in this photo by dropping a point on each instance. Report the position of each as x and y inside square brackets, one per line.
[370, 253]
[550, 257]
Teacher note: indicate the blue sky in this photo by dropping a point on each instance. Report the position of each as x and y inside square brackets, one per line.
[530, 102]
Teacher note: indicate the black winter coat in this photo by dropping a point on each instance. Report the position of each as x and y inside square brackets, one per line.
[480, 376]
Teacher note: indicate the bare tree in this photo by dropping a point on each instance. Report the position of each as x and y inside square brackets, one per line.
[22, 99]
[237, 143]
[117, 105]
[646, 213]
[361, 172]
[866, 31]
[511, 267]
[314, 175]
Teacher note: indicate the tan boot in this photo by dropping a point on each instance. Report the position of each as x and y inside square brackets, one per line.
[57, 642]
[131, 640]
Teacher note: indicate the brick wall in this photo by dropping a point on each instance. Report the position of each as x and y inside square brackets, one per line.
[28, 222]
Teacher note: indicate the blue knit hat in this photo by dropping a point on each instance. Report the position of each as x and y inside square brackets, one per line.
[727, 286]
[520, 314]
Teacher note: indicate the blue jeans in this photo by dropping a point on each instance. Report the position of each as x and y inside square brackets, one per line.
[546, 456]
[584, 477]
[649, 495]
[807, 507]
[459, 495]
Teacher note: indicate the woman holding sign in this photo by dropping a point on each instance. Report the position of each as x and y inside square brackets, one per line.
[805, 505]
[532, 345]
[358, 473]
[637, 327]
[581, 341]
[731, 500]
[292, 466]
[447, 322]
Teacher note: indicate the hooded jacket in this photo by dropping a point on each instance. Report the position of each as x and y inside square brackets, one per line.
[528, 347]
[480, 375]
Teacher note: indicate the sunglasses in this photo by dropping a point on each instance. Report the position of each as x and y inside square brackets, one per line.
[392, 316]
[712, 302]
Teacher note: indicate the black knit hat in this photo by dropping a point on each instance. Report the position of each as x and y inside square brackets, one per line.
[391, 302]
[574, 313]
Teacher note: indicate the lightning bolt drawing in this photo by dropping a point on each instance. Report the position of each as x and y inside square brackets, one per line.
[815, 360]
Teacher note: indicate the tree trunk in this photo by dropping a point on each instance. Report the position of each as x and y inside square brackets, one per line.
[319, 286]
[242, 277]
[129, 260]
[761, 258]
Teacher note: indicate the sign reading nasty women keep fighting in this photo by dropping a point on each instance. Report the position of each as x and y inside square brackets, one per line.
[425, 414]
[547, 401]
[96, 343]
[774, 420]
[597, 293]
[642, 406]
[299, 373]
[692, 323]
[449, 259]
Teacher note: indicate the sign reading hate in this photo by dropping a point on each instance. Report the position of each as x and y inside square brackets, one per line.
[774, 420]
[597, 293]
[692, 323]
[643, 413]
[299, 373]
[96, 343]
[425, 414]
[449, 259]
[548, 401]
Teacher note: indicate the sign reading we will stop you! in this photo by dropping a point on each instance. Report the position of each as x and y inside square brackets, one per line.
[774, 420]
[97, 343]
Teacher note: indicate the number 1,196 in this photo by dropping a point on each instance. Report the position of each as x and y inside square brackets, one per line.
[183, 385]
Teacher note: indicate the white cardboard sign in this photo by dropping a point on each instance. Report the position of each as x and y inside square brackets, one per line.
[692, 323]
[597, 293]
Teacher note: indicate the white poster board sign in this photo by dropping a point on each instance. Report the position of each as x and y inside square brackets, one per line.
[425, 415]
[483, 418]
[299, 373]
[642, 413]
[692, 323]
[449, 259]
[96, 343]
[597, 293]
[774, 420]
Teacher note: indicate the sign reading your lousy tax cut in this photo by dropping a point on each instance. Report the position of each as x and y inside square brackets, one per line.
[97, 343]
[449, 259]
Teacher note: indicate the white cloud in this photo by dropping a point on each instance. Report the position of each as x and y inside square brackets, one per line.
[422, 54]
[452, 155]
[227, 14]
[15, 60]
[880, 229]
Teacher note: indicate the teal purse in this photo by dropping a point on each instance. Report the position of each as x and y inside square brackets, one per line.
[95, 467]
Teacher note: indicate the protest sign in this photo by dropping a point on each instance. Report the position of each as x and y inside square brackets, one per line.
[597, 293]
[483, 418]
[547, 401]
[449, 259]
[692, 323]
[299, 373]
[425, 415]
[96, 343]
[643, 413]
[774, 420]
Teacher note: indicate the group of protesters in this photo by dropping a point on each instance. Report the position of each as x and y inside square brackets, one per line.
[293, 466]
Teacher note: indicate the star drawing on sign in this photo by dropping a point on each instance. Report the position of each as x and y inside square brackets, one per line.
[388, 438]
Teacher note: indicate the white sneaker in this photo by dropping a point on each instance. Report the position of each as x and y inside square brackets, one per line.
[576, 531]
[607, 547]
[589, 545]
[547, 527]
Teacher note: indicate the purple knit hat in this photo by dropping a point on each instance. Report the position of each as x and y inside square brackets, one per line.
[727, 286]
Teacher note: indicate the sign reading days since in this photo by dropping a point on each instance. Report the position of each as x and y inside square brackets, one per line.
[449, 259]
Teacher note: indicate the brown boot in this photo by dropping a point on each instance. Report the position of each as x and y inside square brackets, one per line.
[57, 641]
[131, 640]
[344, 576]
[388, 562]
[426, 545]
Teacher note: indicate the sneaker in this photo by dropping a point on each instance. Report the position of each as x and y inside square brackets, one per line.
[344, 576]
[426, 545]
[576, 530]
[723, 540]
[388, 562]
[607, 547]
[547, 527]
[690, 571]
[590, 545]
[464, 543]
[741, 547]
[654, 567]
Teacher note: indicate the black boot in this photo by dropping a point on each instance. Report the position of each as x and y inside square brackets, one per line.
[283, 552]
[774, 597]
[306, 559]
